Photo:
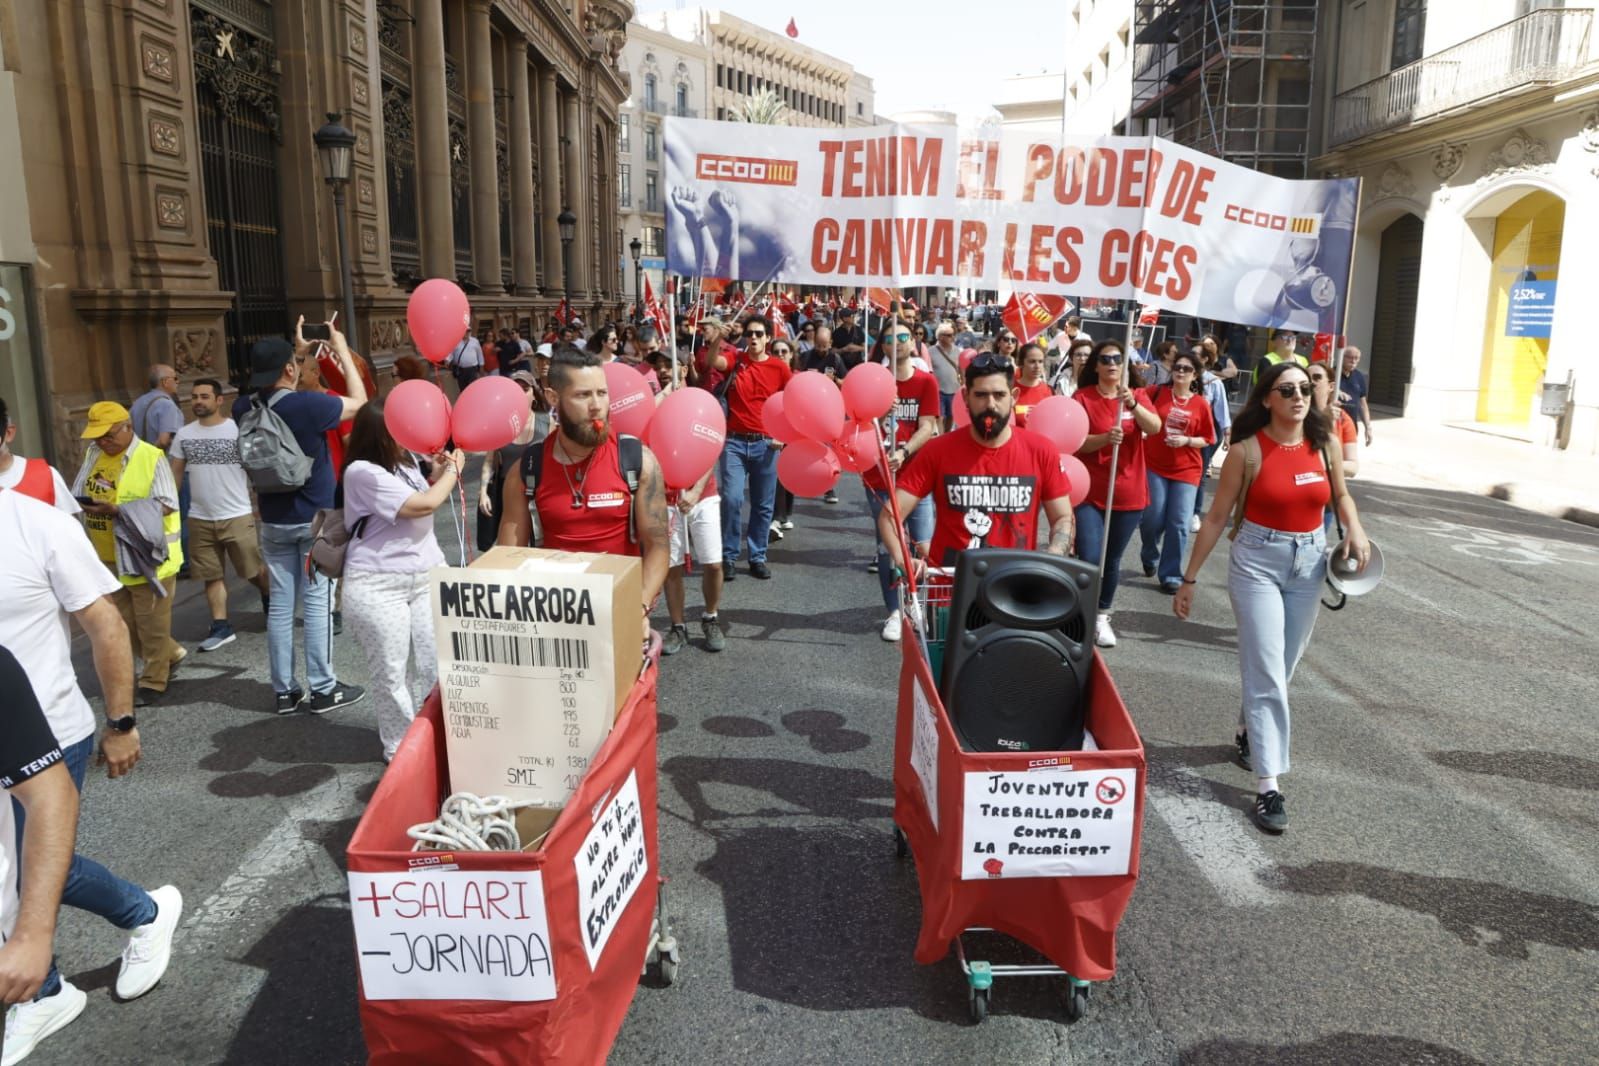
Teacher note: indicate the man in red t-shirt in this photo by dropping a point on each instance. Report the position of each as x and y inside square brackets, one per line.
[987, 480]
[714, 357]
[913, 422]
[581, 493]
[748, 468]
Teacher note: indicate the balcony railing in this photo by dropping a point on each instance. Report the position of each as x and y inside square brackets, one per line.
[665, 107]
[1541, 47]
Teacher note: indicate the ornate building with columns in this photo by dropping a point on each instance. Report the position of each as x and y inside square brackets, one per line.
[168, 206]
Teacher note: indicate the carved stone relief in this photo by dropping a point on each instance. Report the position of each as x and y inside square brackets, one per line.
[193, 350]
[1447, 160]
[1394, 181]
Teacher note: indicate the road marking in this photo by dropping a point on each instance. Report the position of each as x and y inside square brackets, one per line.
[1214, 837]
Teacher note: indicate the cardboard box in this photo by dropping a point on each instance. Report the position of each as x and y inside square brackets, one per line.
[536, 651]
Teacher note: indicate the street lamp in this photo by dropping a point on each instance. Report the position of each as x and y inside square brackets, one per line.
[568, 226]
[336, 145]
[637, 248]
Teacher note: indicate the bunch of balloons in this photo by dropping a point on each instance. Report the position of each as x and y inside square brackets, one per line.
[827, 429]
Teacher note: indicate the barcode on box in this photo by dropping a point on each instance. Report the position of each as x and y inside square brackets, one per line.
[502, 650]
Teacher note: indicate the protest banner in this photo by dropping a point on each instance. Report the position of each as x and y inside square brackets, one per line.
[1129, 218]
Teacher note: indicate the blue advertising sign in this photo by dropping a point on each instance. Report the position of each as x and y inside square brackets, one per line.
[1532, 309]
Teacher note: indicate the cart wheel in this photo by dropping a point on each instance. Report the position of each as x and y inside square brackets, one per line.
[978, 1001]
[1076, 1001]
[901, 845]
[668, 970]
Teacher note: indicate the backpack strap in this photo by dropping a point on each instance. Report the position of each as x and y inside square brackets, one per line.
[1251, 452]
[532, 463]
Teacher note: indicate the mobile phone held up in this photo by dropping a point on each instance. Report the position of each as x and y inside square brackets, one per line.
[317, 331]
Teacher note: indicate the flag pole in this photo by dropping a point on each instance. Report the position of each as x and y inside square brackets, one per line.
[1116, 447]
[671, 320]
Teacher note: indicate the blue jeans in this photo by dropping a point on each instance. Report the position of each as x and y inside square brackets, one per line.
[284, 548]
[90, 886]
[1091, 533]
[1274, 582]
[1199, 494]
[919, 524]
[1170, 505]
[747, 471]
[946, 405]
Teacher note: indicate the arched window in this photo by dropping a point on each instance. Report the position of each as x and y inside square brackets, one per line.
[649, 92]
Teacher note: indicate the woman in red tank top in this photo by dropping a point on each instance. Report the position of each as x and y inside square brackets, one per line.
[1286, 449]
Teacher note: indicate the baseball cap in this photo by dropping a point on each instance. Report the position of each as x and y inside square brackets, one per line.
[103, 416]
[267, 359]
[527, 377]
[545, 351]
[712, 320]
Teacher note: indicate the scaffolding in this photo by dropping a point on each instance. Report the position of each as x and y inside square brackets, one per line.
[1229, 78]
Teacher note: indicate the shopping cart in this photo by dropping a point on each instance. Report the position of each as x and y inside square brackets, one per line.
[1069, 918]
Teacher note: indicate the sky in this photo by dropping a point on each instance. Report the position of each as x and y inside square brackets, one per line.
[933, 54]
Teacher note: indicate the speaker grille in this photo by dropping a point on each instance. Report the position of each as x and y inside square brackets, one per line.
[1017, 691]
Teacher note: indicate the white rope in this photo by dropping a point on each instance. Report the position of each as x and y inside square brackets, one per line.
[470, 823]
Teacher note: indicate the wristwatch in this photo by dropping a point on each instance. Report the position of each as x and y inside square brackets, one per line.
[125, 724]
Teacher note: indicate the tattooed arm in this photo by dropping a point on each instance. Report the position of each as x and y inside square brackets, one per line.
[1061, 526]
[649, 518]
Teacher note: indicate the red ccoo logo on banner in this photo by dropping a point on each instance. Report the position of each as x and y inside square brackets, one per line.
[752, 170]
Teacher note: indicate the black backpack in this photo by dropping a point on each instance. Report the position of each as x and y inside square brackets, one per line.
[630, 458]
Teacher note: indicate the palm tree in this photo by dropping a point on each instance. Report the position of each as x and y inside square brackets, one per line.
[765, 108]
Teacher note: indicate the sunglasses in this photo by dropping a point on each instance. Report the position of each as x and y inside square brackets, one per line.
[1007, 340]
[1182, 368]
[755, 333]
[988, 361]
[1110, 360]
[902, 336]
[1287, 391]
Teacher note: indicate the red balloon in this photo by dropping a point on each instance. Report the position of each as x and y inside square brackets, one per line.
[869, 391]
[687, 435]
[418, 416]
[1077, 474]
[489, 414]
[860, 448]
[632, 406]
[808, 468]
[960, 414]
[1062, 419]
[439, 317]
[967, 355]
[813, 406]
[775, 422]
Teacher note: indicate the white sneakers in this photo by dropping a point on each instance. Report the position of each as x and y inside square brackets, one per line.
[29, 1023]
[894, 627]
[1104, 635]
[149, 948]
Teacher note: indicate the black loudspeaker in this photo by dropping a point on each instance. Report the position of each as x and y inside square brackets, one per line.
[1018, 649]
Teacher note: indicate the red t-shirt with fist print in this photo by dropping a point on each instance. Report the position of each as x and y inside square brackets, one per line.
[985, 497]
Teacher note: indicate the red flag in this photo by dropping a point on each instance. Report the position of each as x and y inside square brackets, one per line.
[793, 30]
[1148, 315]
[655, 312]
[780, 330]
[1322, 351]
[879, 298]
[1027, 314]
[563, 314]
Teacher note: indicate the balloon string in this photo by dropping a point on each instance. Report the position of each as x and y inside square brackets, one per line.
[459, 515]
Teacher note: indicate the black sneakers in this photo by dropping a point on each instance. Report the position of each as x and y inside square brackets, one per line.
[760, 571]
[1242, 741]
[1269, 812]
[289, 702]
[729, 571]
[340, 695]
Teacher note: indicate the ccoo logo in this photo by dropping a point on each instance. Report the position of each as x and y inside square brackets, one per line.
[752, 170]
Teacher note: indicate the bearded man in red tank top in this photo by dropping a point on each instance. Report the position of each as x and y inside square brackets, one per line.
[581, 490]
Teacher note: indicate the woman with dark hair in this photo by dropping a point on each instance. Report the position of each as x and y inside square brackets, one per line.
[632, 350]
[1005, 344]
[1032, 384]
[1176, 465]
[1214, 388]
[604, 343]
[1080, 354]
[1158, 370]
[1282, 471]
[388, 509]
[1118, 411]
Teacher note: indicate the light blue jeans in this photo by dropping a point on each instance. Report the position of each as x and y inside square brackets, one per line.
[284, 548]
[919, 524]
[1274, 582]
[1164, 527]
[748, 472]
[90, 886]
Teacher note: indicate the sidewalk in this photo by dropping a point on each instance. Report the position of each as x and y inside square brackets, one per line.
[1531, 476]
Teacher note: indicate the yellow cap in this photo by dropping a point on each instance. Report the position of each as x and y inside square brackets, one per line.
[102, 417]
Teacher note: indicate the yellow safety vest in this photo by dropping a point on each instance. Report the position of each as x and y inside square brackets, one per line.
[135, 483]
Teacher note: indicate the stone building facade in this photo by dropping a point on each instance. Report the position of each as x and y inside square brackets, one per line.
[170, 200]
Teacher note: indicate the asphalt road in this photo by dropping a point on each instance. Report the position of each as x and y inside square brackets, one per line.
[1434, 900]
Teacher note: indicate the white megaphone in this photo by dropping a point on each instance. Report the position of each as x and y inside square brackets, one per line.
[1345, 575]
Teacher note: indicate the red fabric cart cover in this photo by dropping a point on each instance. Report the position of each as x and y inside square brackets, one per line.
[579, 1025]
[1071, 920]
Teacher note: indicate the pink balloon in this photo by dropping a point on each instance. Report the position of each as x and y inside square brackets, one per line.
[418, 416]
[1062, 419]
[489, 414]
[869, 391]
[439, 317]
[961, 415]
[808, 468]
[859, 448]
[1076, 473]
[813, 406]
[967, 355]
[687, 435]
[775, 422]
[632, 406]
